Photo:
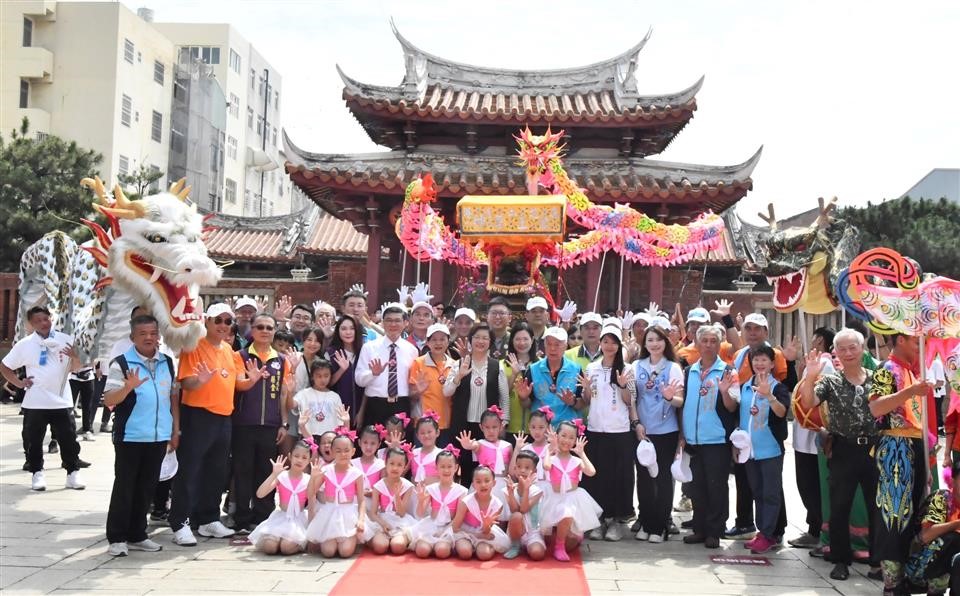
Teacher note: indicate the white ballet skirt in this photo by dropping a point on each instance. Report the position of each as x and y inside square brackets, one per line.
[433, 529]
[569, 501]
[289, 524]
[370, 475]
[531, 519]
[498, 540]
[337, 520]
[399, 524]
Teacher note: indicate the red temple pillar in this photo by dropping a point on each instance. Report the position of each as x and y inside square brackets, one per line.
[593, 282]
[436, 281]
[656, 285]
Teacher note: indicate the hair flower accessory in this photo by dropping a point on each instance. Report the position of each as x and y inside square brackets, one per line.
[407, 448]
[547, 412]
[496, 410]
[451, 449]
[311, 444]
[381, 430]
[581, 427]
[343, 431]
[403, 418]
[431, 415]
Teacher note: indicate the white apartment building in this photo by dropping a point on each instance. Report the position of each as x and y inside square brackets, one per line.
[103, 76]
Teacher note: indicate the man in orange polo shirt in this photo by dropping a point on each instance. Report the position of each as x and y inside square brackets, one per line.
[689, 354]
[208, 375]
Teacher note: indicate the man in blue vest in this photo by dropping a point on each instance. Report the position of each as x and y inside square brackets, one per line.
[142, 387]
[712, 396]
[553, 380]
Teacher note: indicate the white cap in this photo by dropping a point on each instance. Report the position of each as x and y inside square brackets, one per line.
[246, 301]
[555, 332]
[465, 312]
[421, 304]
[613, 329]
[591, 317]
[438, 327]
[640, 316]
[402, 308]
[680, 469]
[220, 308]
[698, 315]
[741, 440]
[661, 322]
[169, 466]
[647, 456]
[537, 302]
[757, 319]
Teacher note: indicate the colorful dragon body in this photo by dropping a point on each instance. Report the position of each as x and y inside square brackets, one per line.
[151, 254]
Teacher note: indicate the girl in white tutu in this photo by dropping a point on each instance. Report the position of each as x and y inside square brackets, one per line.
[491, 451]
[475, 525]
[369, 464]
[525, 500]
[437, 504]
[285, 531]
[337, 519]
[389, 523]
[537, 427]
[569, 511]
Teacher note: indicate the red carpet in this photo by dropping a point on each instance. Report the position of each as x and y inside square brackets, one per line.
[408, 574]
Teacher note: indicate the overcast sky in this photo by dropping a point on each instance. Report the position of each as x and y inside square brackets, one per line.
[857, 100]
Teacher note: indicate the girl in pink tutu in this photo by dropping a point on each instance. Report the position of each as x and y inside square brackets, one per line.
[437, 504]
[368, 463]
[569, 511]
[337, 519]
[475, 525]
[389, 523]
[491, 451]
[285, 531]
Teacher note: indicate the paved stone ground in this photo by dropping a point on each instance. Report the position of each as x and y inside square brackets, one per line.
[53, 542]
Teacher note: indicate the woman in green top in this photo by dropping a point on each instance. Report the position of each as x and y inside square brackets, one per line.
[521, 353]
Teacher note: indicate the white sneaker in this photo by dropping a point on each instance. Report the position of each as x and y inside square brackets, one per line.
[184, 536]
[88, 436]
[641, 535]
[117, 549]
[146, 545]
[614, 532]
[656, 538]
[73, 481]
[596, 534]
[38, 482]
[215, 530]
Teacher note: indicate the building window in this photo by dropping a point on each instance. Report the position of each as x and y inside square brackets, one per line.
[234, 105]
[206, 54]
[27, 32]
[250, 118]
[253, 78]
[24, 94]
[155, 185]
[232, 148]
[234, 61]
[123, 165]
[177, 141]
[156, 127]
[230, 194]
[126, 110]
[159, 71]
[128, 50]
[259, 125]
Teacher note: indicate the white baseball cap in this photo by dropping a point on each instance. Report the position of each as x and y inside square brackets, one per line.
[555, 332]
[465, 312]
[169, 466]
[537, 302]
[612, 329]
[647, 456]
[661, 322]
[741, 440]
[591, 317]
[680, 469]
[246, 301]
[438, 327]
[220, 308]
[757, 319]
[698, 315]
[421, 304]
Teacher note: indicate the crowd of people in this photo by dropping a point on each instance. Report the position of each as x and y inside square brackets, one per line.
[427, 428]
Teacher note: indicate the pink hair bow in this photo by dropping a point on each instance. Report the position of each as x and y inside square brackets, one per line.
[381, 430]
[403, 418]
[581, 427]
[453, 450]
[311, 444]
[430, 414]
[547, 412]
[408, 448]
[496, 410]
[343, 431]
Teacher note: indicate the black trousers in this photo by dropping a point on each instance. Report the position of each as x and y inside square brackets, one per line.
[136, 469]
[161, 496]
[710, 465]
[253, 448]
[378, 409]
[83, 393]
[808, 485]
[655, 495]
[745, 502]
[61, 423]
[850, 465]
[202, 455]
[613, 455]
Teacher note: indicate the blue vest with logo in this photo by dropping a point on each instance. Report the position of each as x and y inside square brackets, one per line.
[706, 421]
[144, 416]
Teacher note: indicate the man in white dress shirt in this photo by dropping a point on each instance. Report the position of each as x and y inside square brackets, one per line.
[383, 369]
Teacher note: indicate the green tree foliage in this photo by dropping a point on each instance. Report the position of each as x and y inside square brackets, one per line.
[40, 191]
[926, 230]
[141, 182]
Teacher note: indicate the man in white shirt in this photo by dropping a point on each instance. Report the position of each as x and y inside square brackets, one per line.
[383, 370]
[49, 358]
[937, 376]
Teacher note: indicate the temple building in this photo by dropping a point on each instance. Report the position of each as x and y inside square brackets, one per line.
[458, 121]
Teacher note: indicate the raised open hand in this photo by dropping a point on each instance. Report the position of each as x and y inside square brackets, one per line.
[403, 294]
[723, 307]
[792, 349]
[762, 385]
[726, 381]
[523, 386]
[377, 366]
[132, 380]
[566, 313]
[671, 389]
[813, 364]
[624, 377]
[586, 383]
[340, 357]
[279, 464]
[395, 439]
[203, 372]
[254, 371]
[421, 293]
[580, 445]
[283, 308]
[520, 440]
[466, 440]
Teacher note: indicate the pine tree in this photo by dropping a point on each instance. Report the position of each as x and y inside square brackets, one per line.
[41, 191]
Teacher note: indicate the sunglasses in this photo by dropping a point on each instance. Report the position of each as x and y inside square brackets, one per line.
[263, 327]
[223, 321]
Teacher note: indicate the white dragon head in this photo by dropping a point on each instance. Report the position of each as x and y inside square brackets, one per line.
[154, 250]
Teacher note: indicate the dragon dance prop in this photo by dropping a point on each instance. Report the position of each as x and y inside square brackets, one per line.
[622, 229]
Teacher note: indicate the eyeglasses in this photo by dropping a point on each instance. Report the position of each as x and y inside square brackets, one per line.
[575, 338]
[499, 313]
[263, 327]
[223, 321]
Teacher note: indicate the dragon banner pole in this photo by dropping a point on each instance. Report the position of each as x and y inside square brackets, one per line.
[802, 320]
[620, 290]
[403, 268]
[924, 414]
[596, 295]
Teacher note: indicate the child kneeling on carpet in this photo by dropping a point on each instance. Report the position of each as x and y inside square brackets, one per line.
[524, 499]
[569, 511]
[337, 522]
[436, 505]
[389, 524]
[285, 531]
[475, 525]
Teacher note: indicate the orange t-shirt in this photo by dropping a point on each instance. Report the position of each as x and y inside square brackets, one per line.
[217, 394]
[746, 371]
[432, 398]
[691, 354]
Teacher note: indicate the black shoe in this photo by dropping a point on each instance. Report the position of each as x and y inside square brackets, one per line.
[711, 542]
[158, 515]
[83, 464]
[53, 447]
[672, 529]
[817, 552]
[687, 524]
[694, 539]
[840, 572]
[633, 528]
[26, 466]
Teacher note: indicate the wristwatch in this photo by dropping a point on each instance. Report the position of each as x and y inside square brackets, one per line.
[634, 424]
